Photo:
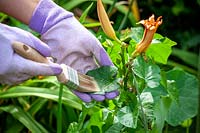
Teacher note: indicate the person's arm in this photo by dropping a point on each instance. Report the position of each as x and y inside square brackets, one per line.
[19, 9]
[70, 42]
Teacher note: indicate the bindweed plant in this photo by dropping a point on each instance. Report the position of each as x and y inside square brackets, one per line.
[153, 96]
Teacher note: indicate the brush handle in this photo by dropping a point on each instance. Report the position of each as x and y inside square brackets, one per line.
[31, 54]
[69, 76]
[28, 52]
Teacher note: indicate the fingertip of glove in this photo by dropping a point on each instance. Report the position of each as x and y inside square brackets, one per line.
[44, 49]
[112, 95]
[56, 68]
[83, 96]
[98, 97]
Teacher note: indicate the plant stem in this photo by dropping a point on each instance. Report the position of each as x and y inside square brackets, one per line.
[125, 17]
[166, 128]
[59, 120]
[124, 70]
[111, 8]
[82, 117]
[3, 17]
[140, 102]
[187, 130]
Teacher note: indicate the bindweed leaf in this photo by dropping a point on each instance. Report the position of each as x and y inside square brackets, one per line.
[148, 71]
[106, 78]
[96, 120]
[127, 117]
[115, 128]
[160, 48]
[136, 34]
[160, 112]
[186, 106]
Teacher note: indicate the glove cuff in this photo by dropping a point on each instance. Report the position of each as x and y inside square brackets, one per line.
[46, 15]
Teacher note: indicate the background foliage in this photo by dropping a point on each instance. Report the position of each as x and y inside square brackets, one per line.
[33, 105]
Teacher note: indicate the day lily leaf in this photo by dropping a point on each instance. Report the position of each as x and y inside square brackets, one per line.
[68, 98]
[25, 118]
[85, 13]
[188, 57]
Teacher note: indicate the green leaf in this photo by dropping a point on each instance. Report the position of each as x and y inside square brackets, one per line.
[148, 71]
[91, 25]
[198, 1]
[49, 80]
[160, 112]
[73, 128]
[128, 118]
[71, 4]
[25, 118]
[11, 125]
[106, 78]
[68, 98]
[147, 102]
[108, 118]
[187, 106]
[160, 48]
[115, 128]
[156, 92]
[136, 34]
[96, 120]
[37, 105]
[172, 90]
[85, 13]
[114, 50]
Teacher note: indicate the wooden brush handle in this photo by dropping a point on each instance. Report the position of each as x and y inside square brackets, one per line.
[84, 83]
[29, 52]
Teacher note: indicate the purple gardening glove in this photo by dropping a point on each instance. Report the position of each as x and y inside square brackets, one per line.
[71, 43]
[14, 68]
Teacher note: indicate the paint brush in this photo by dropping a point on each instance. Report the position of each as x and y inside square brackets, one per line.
[69, 76]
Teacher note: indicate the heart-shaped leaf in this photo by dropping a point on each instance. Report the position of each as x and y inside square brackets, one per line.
[105, 77]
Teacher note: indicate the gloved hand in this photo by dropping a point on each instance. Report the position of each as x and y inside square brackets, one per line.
[15, 69]
[71, 43]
